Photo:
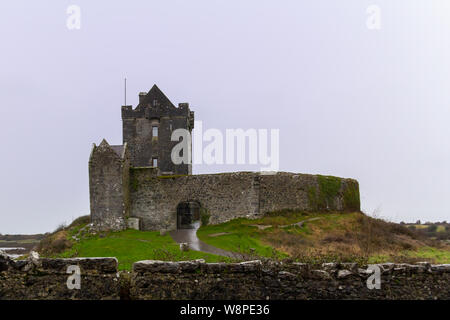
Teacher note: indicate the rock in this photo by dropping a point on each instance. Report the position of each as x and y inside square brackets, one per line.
[184, 246]
[155, 266]
[386, 267]
[93, 265]
[321, 274]
[133, 223]
[352, 266]
[249, 266]
[33, 262]
[343, 274]
[216, 267]
[5, 261]
[330, 267]
[286, 275]
[426, 264]
[440, 267]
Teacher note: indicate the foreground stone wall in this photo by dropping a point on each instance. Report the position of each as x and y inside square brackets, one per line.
[226, 196]
[47, 279]
[253, 280]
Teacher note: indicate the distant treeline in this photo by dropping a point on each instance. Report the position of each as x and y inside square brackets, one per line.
[434, 230]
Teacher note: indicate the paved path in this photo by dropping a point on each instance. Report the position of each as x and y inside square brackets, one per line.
[190, 236]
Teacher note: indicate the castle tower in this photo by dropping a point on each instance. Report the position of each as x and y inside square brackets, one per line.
[148, 128]
[109, 170]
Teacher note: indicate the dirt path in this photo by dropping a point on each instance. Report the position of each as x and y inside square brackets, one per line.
[190, 236]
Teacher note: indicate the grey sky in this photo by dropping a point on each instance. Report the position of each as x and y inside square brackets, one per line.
[351, 102]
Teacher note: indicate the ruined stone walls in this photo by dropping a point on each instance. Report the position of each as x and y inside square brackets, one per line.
[154, 199]
[109, 186]
[226, 196]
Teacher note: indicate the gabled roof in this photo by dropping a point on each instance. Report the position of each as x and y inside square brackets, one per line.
[155, 94]
[118, 150]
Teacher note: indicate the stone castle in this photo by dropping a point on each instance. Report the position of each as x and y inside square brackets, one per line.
[136, 184]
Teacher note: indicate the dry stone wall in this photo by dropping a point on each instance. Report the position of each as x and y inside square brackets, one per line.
[46, 279]
[277, 281]
[196, 280]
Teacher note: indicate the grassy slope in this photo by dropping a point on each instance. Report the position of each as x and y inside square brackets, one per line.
[127, 246]
[334, 236]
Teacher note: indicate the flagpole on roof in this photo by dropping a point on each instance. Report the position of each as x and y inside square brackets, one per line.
[125, 91]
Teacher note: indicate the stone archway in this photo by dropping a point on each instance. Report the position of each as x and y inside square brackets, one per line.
[188, 213]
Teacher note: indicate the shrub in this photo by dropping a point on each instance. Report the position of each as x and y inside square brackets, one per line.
[60, 227]
[80, 221]
[54, 244]
[204, 216]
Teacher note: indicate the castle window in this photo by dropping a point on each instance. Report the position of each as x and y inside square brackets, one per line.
[155, 131]
[155, 162]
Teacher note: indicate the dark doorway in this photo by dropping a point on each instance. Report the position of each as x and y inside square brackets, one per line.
[187, 214]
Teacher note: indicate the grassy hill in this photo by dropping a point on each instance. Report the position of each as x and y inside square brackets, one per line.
[301, 236]
[127, 246]
[321, 237]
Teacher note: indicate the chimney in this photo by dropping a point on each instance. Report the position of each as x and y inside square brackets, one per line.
[142, 96]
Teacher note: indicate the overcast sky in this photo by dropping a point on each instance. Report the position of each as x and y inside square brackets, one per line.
[373, 105]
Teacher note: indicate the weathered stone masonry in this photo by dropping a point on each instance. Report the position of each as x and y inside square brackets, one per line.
[47, 279]
[137, 185]
[225, 196]
[100, 279]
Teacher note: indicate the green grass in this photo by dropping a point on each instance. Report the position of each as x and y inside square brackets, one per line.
[429, 254]
[130, 246]
[242, 238]
[337, 231]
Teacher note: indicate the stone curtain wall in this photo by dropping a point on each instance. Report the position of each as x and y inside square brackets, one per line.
[47, 278]
[226, 196]
[308, 192]
[154, 199]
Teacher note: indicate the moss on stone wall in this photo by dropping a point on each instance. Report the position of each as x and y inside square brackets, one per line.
[351, 196]
[313, 199]
[134, 183]
[174, 176]
[328, 190]
[204, 216]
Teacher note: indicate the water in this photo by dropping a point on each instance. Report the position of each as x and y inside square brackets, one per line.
[13, 255]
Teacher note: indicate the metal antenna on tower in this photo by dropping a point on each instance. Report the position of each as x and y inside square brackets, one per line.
[125, 91]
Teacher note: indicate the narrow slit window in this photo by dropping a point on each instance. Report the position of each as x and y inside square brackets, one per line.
[155, 131]
[155, 162]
